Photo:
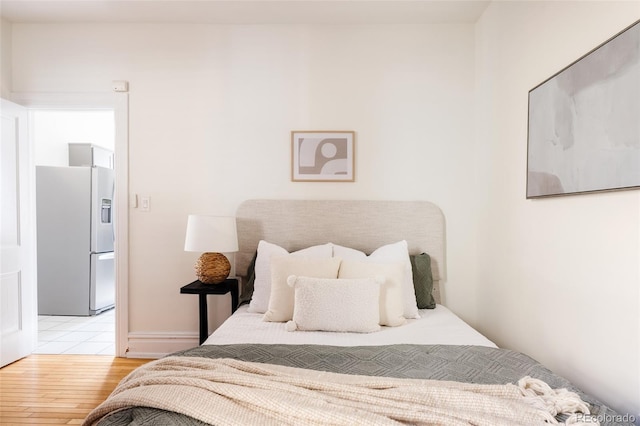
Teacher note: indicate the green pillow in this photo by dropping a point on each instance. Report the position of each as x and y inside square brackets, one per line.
[423, 280]
[247, 285]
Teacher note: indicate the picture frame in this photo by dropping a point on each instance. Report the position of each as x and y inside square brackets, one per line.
[583, 133]
[322, 156]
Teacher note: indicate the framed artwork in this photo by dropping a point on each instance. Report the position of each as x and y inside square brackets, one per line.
[583, 126]
[322, 156]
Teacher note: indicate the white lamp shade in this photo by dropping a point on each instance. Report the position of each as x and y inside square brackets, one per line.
[211, 234]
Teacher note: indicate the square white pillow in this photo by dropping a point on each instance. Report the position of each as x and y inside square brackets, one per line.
[396, 252]
[262, 284]
[281, 298]
[342, 305]
[390, 292]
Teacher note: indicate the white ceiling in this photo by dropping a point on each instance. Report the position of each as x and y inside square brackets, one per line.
[245, 11]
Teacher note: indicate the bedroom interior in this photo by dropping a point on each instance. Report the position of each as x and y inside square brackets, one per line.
[438, 105]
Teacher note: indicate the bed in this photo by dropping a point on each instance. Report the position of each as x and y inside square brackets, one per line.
[323, 357]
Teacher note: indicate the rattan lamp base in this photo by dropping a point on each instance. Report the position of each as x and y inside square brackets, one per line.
[212, 268]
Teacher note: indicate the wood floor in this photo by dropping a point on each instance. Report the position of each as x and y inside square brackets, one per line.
[58, 389]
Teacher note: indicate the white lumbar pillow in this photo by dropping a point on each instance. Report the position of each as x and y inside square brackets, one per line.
[396, 252]
[282, 296]
[262, 284]
[342, 305]
[390, 292]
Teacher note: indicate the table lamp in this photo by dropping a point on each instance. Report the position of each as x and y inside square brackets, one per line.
[211, 235]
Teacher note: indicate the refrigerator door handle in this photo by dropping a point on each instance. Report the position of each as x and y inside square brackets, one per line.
[106, 256]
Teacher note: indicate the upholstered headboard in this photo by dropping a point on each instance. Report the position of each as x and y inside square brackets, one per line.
[362, 225]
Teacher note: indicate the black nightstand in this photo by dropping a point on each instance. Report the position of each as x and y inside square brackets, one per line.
[196, 287]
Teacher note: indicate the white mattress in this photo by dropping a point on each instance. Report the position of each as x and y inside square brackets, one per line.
[437, 326]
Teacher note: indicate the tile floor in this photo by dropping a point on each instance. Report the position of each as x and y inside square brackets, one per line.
[77, 335]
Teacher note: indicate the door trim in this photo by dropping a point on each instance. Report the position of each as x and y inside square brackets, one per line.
[121, 204]
[119, 102]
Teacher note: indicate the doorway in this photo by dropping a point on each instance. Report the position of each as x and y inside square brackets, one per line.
[51, 132]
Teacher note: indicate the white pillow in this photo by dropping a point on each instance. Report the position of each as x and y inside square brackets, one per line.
[396, 252]
[343, 305]
[262, 284]
[281, 298]
[390, 292]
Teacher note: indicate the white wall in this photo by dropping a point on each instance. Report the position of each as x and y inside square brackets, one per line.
[558, 277]
[5, 58]
[211, 110]
[53, 130]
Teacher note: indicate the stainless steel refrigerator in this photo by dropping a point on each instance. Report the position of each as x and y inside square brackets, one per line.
[75, 238]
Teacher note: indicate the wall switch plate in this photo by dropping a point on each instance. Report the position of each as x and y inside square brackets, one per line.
[145, 204]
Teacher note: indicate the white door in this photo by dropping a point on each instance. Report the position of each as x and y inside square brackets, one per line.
[18, 301]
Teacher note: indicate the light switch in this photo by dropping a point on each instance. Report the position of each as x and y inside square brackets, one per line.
[145, 204]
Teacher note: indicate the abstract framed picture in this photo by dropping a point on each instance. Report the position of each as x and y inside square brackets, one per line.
[584, 122]
[322, 156]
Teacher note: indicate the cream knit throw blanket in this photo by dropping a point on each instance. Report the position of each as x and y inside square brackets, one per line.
[232, 392]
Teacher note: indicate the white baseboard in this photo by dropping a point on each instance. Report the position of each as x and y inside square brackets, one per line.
[158, 345]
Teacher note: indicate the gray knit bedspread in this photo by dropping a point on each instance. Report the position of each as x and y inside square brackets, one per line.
[471, 364]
